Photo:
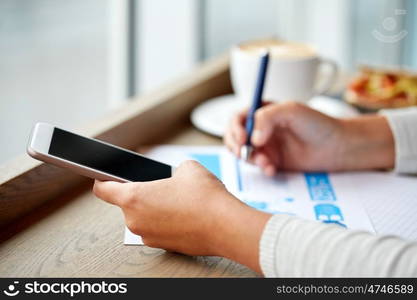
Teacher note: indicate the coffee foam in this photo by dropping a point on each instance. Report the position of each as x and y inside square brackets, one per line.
[279, 49]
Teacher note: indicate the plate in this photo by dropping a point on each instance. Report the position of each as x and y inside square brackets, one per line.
[214, 115]
[333, 107]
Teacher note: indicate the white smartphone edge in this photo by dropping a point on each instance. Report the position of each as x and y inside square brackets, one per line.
[38, 148]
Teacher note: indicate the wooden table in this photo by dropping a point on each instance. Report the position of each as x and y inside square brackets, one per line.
[52, 225]
[81, 236]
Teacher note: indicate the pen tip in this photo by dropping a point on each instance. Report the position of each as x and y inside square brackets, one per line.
[245, 152]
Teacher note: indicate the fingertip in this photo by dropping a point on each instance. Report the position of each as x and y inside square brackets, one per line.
[232, 144]
[106, 190]
[260, 160]
[237, 120]
[97, 181]
[96, 187]
[227, 140]
[237, 151]
[241, 136]
[241, 115]
[270, 170]
[258, 137]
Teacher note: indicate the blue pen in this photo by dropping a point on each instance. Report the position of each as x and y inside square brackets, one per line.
[246, 150]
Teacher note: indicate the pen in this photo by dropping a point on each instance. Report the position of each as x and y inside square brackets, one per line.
[246, 150]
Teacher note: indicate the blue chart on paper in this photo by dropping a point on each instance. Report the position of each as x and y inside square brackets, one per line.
[258, 205]
[322, 192]
[211, 162]
[262, 205]
[319, 187]
[239, 176]
[318, 184]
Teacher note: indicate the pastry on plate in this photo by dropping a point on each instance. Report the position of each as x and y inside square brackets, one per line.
[377, 88]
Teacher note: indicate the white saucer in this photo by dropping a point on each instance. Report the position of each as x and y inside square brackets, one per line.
[333, 107]
[213, 116]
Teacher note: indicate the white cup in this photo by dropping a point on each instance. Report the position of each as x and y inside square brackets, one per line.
[292, 72]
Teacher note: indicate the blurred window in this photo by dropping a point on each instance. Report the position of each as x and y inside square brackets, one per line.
[69, 62]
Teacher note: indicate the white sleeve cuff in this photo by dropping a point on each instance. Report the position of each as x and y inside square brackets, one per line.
[403, 124]
[268, 244]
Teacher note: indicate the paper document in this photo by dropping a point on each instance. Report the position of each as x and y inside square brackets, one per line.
[390, 201]
[360, 200]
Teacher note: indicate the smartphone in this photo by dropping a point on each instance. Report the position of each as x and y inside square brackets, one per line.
[92, 158]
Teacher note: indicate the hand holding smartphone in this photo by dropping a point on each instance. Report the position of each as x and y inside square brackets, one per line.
[91, 157]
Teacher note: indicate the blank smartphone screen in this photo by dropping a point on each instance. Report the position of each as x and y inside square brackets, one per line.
[105, 158]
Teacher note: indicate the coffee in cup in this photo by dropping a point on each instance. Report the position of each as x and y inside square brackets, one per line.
[292, 71]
